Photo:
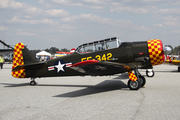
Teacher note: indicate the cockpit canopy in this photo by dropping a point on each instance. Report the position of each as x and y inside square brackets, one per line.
[99, 45]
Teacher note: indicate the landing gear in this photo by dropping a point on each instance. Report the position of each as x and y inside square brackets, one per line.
[179, 69]
[141, 78]
[134, 85]
[33, 82]
[150, 73]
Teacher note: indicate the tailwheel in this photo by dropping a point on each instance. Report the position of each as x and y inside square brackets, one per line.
[150, 73]
[142, 80]
[134, 85]
[33, 82]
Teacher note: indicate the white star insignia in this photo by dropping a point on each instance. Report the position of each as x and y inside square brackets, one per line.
[59, 67]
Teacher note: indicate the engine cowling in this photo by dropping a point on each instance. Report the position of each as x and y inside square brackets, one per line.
[156, 53]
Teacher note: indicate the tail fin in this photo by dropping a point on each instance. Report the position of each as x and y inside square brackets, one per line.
[21, 57]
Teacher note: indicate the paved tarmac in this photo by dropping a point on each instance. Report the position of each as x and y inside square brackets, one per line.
[90, 98]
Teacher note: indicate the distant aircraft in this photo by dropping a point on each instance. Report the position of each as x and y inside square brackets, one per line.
[6, 51]
[174, 62]
[170, 60]
[60, 54]
[99, 58]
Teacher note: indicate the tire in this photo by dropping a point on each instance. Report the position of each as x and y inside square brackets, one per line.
[178, 69]
[33, 83]
[134, 85]
[142, 80]
[150, 73]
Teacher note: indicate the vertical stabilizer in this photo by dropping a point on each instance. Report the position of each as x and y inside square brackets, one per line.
[18, 61]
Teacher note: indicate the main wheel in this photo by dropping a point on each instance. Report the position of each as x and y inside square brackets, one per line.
[178, 69]
[134, 85]
[142, 80]
[33, 83]
[150, 73]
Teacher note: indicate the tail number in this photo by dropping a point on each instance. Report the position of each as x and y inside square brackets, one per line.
[104, 57]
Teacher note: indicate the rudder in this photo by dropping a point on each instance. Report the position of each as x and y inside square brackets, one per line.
[18, 60]
[22, 56]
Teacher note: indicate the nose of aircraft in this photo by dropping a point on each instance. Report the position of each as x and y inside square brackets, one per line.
[156, 53]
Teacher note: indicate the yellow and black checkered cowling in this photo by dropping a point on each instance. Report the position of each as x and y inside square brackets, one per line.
[156, 53]
[18, 60]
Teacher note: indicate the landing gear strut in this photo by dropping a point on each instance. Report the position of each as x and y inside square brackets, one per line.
[140, 82]
[140, 78]
[150, 73]
[33, 82]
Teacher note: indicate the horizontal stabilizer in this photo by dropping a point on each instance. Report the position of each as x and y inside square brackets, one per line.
[29, 66]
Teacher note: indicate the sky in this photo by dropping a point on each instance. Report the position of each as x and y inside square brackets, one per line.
[42, 24]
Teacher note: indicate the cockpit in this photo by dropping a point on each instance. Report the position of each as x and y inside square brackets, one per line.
[99, 45]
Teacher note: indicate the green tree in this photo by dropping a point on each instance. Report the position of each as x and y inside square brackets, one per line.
[52, 50]
[176, 50]
[64, 50]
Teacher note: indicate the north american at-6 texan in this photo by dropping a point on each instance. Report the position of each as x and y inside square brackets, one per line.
[100, 58]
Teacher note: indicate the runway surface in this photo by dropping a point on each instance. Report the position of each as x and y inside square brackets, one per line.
[90, 98]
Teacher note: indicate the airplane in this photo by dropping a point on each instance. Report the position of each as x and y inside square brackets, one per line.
[60, 54]
[6, 51]
[99, 58]
[173, 62]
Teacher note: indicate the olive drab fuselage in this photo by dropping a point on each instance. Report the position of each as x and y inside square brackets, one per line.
[127, 56]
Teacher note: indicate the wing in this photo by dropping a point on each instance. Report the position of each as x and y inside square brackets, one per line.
[6, 51]
[100, 68]
[174, 62]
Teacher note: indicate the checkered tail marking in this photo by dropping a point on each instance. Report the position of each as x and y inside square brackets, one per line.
[18, 60]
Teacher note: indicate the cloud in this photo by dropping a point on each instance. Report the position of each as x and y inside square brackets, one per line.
[158, 25]
[131, 9]
[96, 7]
[11, 4]
[176, 31]
[32, 10]
[27, 21]
[96, 1]
[91, 18]
[25, 34]
[172, 11]
[3, 28]
[57, 12]
[94, 18]
[60, 2]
